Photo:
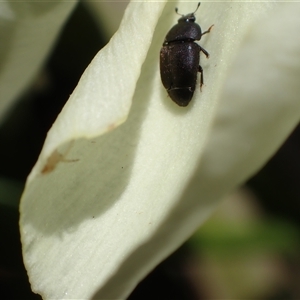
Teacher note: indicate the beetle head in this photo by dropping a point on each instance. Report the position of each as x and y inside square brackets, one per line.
[189, 17]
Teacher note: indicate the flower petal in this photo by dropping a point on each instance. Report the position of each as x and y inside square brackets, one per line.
[103, 97]
[132, 196]
[100, 102]
[27, 30]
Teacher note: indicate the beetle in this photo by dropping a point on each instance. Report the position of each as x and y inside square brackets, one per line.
[179, 58]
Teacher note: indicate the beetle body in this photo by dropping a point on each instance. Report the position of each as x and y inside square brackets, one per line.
[179, 68]
[179, 59]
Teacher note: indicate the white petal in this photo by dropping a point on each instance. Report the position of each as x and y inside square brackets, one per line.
[100, 102]
[104, 221]
[102, 99]
[27, 33]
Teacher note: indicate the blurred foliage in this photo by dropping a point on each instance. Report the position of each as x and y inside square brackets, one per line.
[246, 238]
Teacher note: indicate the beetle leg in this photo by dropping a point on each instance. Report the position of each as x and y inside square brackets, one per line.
[208, 30]
[201, 78]
[204, 51]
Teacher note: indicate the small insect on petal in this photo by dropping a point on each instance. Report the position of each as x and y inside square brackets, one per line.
[179, 59]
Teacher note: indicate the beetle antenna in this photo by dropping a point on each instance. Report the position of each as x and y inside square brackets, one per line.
[176, 10]
[197, 7]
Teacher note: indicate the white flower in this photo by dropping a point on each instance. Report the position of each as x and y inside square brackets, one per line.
[104, 204]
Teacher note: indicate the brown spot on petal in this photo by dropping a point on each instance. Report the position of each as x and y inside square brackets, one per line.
[53, 160]
[111, 127]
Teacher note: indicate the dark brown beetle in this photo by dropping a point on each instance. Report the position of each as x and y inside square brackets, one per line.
[179, 59]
